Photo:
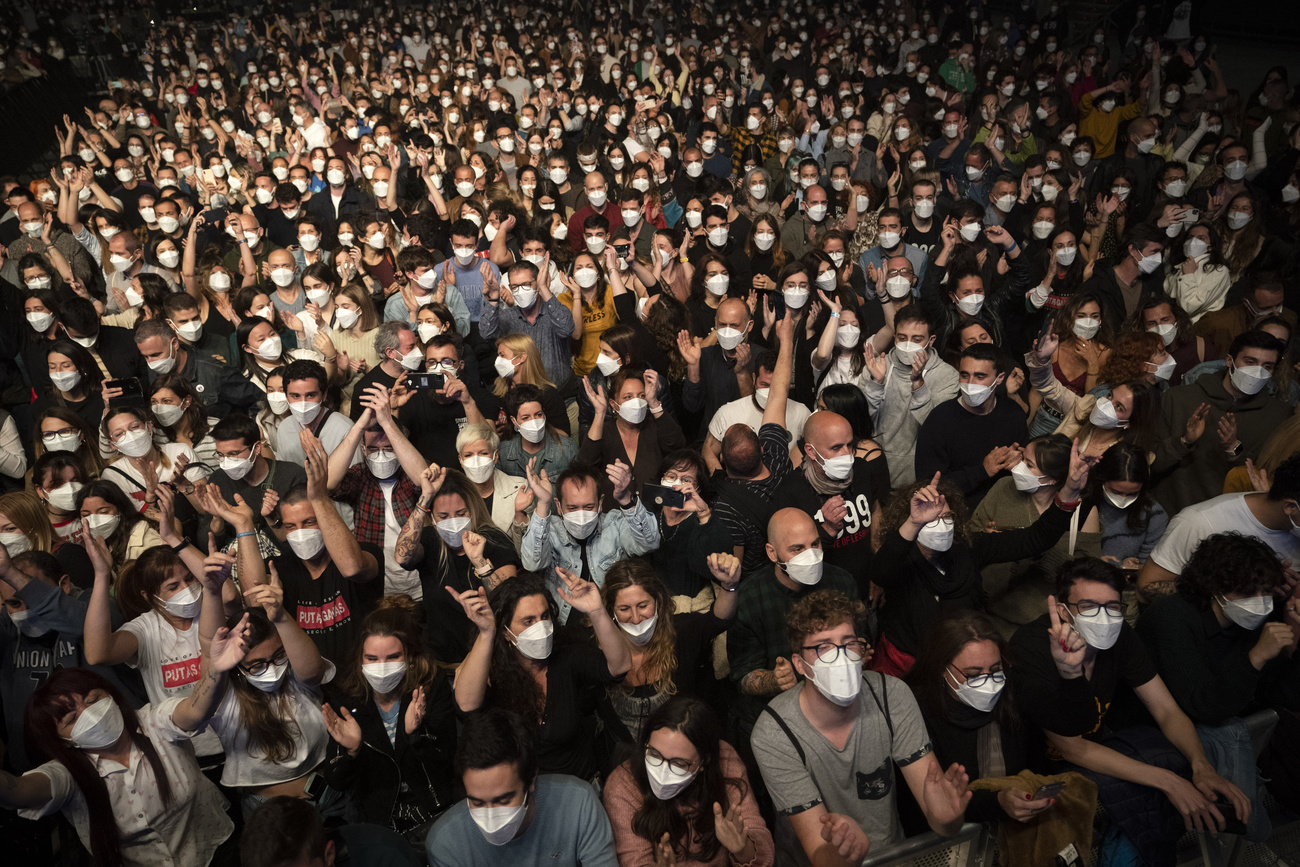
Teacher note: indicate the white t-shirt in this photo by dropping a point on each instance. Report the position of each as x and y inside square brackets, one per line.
[633, 147]
[745, 411]
[247, 765]
[841, 371]
[396, 579]
[1224, 514]
[168, 662]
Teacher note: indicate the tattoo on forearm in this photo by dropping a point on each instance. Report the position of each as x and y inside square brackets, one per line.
[761, 682]
[408, 551]
[202, 688]
[1156, 589]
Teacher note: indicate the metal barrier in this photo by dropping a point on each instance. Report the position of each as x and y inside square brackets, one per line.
[971, 847]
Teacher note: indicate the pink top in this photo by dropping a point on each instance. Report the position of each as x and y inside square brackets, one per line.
[623, 799]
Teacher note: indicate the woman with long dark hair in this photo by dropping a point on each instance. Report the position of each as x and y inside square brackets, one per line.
[965, 689]
[74, 381]
[514, 650]
[685, 798]
[394, 749]
[1132, 522]
[169, 813]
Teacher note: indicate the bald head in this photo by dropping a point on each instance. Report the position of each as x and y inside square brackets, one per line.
[742, 455]
[790, 532]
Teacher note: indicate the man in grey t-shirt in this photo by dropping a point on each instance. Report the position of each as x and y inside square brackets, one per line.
[828, 747]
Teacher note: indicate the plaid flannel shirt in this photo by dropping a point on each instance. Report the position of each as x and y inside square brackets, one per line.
[362, 491]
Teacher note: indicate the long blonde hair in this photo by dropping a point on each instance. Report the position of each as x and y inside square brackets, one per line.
[531, 372]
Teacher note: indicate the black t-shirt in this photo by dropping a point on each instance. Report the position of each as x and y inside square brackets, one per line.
[1078, 706]
[281, 477]
[447, 631]
[432, 426]
[376, 374]
[927, 241]
[330, 608]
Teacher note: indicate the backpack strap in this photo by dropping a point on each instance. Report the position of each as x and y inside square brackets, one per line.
[803, 759]
[884, 708]
[126, 476]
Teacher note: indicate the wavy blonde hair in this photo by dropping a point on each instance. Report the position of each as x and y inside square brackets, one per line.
[531, 372]
[662, 649]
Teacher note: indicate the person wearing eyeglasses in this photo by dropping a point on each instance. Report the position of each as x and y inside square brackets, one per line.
[1155, 782]
[685, 798]
[967, 698]
[828, 746]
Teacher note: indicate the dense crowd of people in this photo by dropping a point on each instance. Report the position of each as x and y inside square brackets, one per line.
[494, 434]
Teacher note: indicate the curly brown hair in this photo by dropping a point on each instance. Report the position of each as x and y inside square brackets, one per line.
[1230, 563]
[820, 610]
[1129, 355]
[899, 508]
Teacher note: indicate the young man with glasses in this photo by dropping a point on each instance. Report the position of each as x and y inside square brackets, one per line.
[828, 746]
[1154, 781]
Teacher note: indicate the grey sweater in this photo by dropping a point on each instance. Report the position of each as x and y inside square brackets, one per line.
[898, 412]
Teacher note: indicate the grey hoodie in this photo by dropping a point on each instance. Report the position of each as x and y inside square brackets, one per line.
[898, 412]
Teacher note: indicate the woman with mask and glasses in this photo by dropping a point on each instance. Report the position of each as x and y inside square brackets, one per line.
[685, 797]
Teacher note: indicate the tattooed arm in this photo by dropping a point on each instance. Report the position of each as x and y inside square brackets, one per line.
[226, 651]
[1155, 581]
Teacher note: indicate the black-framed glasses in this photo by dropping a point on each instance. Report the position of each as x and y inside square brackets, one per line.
[1088, 608]
[51, 435]
[680, 767]
[828, 653]
[262, 665]
[978, 680]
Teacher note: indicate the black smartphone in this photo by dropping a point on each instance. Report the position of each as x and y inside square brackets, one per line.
[622, 250]
[130, 387]
[425, 381]
[663, 496]
[1050, 790]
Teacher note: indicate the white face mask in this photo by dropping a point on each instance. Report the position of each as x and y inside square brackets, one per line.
[1104, 415]
[167, 414]
[306, 544]
[64, 497]
[15, 543]
[186, 602]
[500, 825]
[971, 304]
[1026, 480]
[99, 726]
[384, 677]
[1250, 379]
[135, 444]
[1065, 255]
[271, 348]
[665, 782]
[277, 403]
[837, 469]
[304, 412]
[640, 633]
[382, 463]
[1100, 631]
[633, 411]
[839, 681]
[478, 468]
[1042, 229]
[102, 526]
[536, 641]
[1119, 501]
[970, 231]
[269, 680]
[1248, 613]
[983, 697]
[1085, 327]
[937, 535]
[533, 430]
[975, 394]
[805, 567]
[795, 299]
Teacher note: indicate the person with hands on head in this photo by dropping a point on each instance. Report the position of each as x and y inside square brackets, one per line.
[401, 725]
[828, 747]
[515, 663]
[929, 560]
[382, 490]
[457, 548]
[127, 779]
[685, 797]
[580, 535]
[641, 434]
[328, 575]
[1066, 690]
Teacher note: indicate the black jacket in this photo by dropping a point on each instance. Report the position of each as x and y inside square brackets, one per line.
[421, 760]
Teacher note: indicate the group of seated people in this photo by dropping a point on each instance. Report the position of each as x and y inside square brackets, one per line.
[472, 434]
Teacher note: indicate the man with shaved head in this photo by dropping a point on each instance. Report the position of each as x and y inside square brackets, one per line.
[718, 374]
[1134, 154]
[840, 491]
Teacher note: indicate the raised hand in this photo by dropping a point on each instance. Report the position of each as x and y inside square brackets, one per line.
[431, 480]
[688, 348]
[229, 646]
[620, 476]
[876, 363]
[539, 483]
[1227, 430]
[927, 504]
[785, 676]
[596, 396]
[1068, 647]
[269, 595]
[725, 568]
[1258, 477]
[1078, 476]
[1195, 425]
[730, 828]
[583, 595]
[345, 730]
[315, 465]
[477, 610]
[473, 545]
[946, 793]
[415, 710]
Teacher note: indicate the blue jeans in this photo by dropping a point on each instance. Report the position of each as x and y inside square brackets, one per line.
[1228, 748]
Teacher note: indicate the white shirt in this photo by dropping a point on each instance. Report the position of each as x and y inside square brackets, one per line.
[396, 579]
[123, 466]
[168, 662]
[1223, 514]
[247, 765]
[186, 833]
[744, 411]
